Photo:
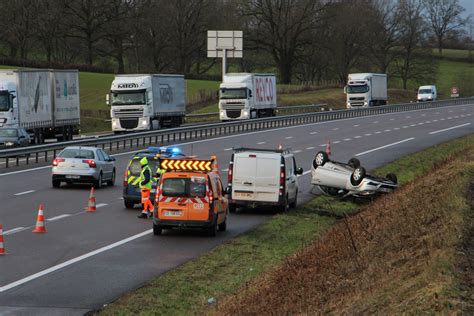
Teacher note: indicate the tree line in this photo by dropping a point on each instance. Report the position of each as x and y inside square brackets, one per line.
[303, 40]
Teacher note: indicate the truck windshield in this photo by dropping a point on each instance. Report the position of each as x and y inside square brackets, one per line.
[8, 132]
[5, 102]
[233, 93]
[128, 98]
[357, 89]
[424, 91]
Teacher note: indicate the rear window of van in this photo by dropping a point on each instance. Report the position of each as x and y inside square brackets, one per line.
[184, 187]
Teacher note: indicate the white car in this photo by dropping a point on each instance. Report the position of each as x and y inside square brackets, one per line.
[77, 164]
[348, 179]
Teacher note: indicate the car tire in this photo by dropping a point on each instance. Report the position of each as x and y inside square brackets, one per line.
[128, 204]
[222, 227]
[295, 202]
[354, 163]
[285, 206]
[232, 208]
[320, 159]
[98, 182]
[157, 230]
[111, 182]
[212, 231]
[358, 175]
[56, 183]
[392, 177]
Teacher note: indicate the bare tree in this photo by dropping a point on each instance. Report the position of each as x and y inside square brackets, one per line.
[444, 16]
[282, 28]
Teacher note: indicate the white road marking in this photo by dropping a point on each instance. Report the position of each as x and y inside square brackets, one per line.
[347, 139]
[385, 146]
[309, 148]
[442, 119]
[413, 125]
[450, 111]
[407, 117]
[336, 142]
[52, 219]
[14, 230]
[421, 123]
[227, 149]
[375, 122]
[396, 128]
[423, 114]
[335, 128]
[435, 120]
[26, 192]
[405, 126]
[449, 128]
[456, 116]
[323, 145]
[368, 134]
[101, 205]
[392, 119]
[449, 118]
[313, 133]
[296, 151]
[357, 125]
[261, 143]
[288, 137]
[378, 132]
[72, 261]
[427, 122]
[387, 130]
[306, 172]
[462, 115]
[357, 136]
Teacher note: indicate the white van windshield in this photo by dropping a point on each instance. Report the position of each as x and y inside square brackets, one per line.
[424, 91]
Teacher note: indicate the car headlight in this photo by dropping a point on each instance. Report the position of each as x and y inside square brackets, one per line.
[144, 122]
[9, 143]
[365, 103]
[114, 123]
[245, 112]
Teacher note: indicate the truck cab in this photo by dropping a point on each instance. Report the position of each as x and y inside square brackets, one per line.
[366, 90]
[8, 101]
[427, 93]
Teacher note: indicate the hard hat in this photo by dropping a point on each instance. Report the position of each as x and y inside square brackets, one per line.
[143, 161]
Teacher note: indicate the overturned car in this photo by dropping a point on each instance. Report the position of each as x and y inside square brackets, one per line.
[348, 179]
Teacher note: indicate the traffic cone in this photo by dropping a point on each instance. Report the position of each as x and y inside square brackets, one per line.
[328, 148]
[91, 204]
[40, 228]
[216, 166]
[2, 247]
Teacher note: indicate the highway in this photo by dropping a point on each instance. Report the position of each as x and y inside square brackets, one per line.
[86, 260]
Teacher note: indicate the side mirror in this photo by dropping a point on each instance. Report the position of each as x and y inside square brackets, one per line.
[345, 89]
[107, 99]
[299, 171]
[22, 137]
[250, 93]
[228, 190]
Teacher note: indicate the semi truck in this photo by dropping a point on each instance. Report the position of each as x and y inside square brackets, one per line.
[366, 89]
[247, 95]
[43, 102]
[146, 102]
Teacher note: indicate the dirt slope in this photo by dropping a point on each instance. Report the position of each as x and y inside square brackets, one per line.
[397, 255]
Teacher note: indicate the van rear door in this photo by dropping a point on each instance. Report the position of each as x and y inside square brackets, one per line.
[173, 200]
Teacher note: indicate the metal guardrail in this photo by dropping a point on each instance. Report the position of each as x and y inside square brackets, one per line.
[117, 143]
[279, 108]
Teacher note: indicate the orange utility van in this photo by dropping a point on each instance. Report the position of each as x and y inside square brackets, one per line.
[190, 195]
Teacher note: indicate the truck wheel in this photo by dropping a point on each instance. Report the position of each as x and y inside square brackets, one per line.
[128, 204]
[157, 229]
[358, 175]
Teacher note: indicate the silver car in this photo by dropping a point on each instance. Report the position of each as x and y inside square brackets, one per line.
[83, 165]
[348, 179]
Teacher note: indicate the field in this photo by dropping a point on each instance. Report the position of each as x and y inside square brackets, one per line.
[408, 246]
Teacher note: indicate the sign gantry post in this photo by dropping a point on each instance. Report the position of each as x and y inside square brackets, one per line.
[224, 44]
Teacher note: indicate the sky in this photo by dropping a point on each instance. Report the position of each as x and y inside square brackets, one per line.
[469, 6]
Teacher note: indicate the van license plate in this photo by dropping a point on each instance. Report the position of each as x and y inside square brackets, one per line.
[72, 177]
[172, 213]
[244, 194]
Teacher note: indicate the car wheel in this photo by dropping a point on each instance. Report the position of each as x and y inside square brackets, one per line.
[223, 226]
[354, 163]
[358, 175]
[157, 229]
[293, 204]
[56, 183]
[392, 177]
[285, 206]
[212, 231]
[98, 182]
[232, 208]
[320, 159]
[111, 182]
[128, 203]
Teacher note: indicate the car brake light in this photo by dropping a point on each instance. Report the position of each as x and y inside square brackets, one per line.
[90, 162]
[57, 161]
[125, 178]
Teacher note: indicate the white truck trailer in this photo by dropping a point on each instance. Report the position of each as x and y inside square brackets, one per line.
[44, 102]
[246, 95]
[146, 102]
[366, 89]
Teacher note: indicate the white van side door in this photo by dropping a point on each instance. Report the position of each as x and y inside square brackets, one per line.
[290, 178]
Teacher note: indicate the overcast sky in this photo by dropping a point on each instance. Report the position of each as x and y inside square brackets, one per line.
[469, 6]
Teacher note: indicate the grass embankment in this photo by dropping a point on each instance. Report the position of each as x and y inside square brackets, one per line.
[423, 247]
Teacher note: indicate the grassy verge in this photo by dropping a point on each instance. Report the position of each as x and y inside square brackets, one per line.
[229, 267]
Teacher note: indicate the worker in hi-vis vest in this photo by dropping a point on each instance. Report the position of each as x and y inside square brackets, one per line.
[145, 186]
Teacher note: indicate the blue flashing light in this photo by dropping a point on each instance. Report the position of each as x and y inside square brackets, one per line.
[175, 150]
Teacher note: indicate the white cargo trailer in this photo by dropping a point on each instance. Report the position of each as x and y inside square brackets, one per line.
[366, 89]
[147, 102]
[44, 102]
[246, 95]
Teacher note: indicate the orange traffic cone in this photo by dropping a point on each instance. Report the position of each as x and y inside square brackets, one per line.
[2, 247]
[40, 228]
[216, 166]
[328, 148]
[91, 204]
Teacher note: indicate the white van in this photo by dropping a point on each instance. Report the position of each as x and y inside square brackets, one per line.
[263, 177]
[427, 93]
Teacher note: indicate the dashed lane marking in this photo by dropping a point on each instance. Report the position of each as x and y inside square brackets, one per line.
[368, 134]
[396, 128]
[378, 132]
[357, 136]
[392, 119]
[347, 139]
[336, 142]
[309, 148]
[335, 128]
[227, 149]
[449, 128]
[385, 146]
[357, 125]
[224, 170]
[101, 205]
[296, 151]
[261, 143]
[288, 137]
[26, 192]
[313, 133]
[52, 219]
[405, 126]
[387, 130]
[376, 122]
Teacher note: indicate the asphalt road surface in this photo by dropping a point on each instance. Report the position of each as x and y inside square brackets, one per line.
[86, 260]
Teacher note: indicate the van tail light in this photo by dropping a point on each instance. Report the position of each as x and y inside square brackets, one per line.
[90, 162]
[211, 206]
[125, 179]
[57, 161]
[282, 179]
[229, 173]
